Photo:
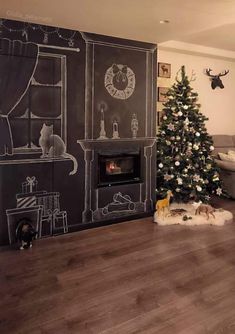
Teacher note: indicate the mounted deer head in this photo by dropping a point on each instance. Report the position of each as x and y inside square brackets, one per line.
[215, 79]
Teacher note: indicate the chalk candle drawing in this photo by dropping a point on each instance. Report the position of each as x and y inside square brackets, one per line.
[119, 80]
[115, 130]
[134, 125]
[102, 124]
[120, 203]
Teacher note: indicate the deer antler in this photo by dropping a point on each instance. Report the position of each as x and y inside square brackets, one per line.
[208, 72]
[193, 76]
[222, 74]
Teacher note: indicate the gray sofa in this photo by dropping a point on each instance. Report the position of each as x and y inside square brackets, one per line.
[223, 143]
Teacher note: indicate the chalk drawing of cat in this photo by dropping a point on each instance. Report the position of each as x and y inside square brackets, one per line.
[53, 146]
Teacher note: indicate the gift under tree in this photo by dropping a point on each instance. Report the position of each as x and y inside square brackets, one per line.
[184, 162]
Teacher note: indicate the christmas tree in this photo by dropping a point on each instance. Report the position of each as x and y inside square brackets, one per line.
[184, 162]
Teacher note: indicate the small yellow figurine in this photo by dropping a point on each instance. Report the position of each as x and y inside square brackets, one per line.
[164, 203]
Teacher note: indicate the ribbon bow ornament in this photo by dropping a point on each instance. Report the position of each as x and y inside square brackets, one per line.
[31, 182]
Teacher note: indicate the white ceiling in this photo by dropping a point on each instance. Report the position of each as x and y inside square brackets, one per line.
[204, 22]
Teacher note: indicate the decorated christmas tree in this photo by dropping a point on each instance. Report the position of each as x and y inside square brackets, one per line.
[184, 161]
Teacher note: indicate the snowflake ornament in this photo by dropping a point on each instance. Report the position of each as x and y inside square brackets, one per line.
[196, 177]
[171, 127]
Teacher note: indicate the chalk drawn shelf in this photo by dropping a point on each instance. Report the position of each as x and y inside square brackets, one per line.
[36, 83]
[31, 161]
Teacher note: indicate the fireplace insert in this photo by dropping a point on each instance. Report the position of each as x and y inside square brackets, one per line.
[118, 168]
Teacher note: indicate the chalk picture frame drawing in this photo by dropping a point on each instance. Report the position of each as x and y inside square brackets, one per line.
[164, 70]
[160, 96]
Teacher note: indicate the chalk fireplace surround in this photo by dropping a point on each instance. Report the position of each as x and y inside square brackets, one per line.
[118, 178]
[120, 166]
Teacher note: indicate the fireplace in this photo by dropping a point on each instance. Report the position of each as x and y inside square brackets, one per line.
[118, 168]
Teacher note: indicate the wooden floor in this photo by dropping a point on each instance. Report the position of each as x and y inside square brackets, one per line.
[133, 277]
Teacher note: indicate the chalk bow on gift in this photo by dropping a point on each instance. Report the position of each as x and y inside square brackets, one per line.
[31, 182]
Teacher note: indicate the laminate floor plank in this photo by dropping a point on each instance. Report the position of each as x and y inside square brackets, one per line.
[132, 277]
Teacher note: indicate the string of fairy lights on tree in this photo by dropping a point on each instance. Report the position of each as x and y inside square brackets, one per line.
[46, 31]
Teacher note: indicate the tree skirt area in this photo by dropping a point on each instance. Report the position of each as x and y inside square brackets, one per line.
[171, 217]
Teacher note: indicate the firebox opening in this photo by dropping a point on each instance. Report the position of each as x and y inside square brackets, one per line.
[118, 168]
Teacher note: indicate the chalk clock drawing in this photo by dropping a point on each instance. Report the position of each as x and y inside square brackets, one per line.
[119, 81]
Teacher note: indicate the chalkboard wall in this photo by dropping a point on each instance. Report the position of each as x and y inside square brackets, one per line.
[65, 96]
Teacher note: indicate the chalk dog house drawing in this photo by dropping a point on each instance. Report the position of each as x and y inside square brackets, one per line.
[41, 207]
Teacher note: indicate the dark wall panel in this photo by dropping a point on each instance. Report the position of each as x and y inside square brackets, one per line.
[59, 90]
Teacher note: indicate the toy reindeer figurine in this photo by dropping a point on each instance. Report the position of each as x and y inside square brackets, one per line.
[164, 203]
[205, 208]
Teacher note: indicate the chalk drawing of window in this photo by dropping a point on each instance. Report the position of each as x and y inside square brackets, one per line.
[44, 102]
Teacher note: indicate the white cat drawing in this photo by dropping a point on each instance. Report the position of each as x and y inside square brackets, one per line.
[53, 146]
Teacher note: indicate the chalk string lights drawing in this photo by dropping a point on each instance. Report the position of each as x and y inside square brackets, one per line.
[46, 31]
